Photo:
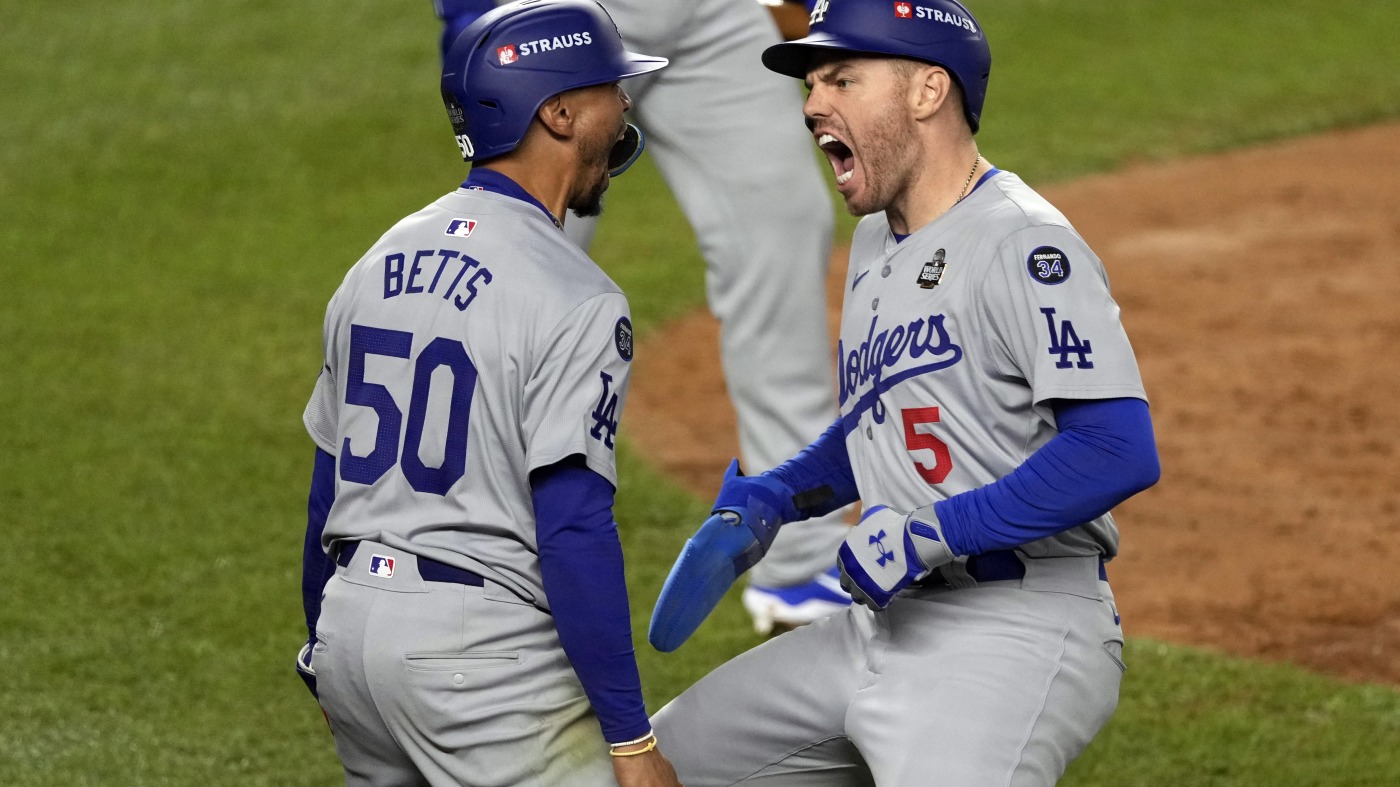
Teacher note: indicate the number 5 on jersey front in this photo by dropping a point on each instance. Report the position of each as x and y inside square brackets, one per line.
[918, 440]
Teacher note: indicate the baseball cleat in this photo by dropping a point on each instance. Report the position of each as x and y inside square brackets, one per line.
[796, 605]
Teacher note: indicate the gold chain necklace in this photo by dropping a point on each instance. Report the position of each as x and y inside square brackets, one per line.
[963, 194]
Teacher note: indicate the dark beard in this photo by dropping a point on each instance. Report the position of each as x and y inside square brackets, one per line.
[591, 203]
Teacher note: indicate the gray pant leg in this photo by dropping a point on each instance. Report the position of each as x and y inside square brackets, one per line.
[774, 715]
[444, 684]
[988, 686]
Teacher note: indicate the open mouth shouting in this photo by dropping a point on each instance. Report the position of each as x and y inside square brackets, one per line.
[843, 161]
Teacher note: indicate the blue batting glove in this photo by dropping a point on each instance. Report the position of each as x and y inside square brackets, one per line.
[888, 550]
[761, 503]
[744, 522]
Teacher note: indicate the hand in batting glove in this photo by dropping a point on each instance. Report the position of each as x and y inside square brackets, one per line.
[759, 502]
[746, 518]
[888, 550]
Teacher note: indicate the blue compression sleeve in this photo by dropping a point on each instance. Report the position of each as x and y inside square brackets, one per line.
[581, 564]
[316, 567]
[820, 475]
[1104, 454]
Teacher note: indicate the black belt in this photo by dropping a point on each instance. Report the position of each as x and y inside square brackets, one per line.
[430, 570]
[995, 566]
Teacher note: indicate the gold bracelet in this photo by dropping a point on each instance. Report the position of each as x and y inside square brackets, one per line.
[651, 744]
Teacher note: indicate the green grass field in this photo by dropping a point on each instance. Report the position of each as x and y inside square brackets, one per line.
[182, 186]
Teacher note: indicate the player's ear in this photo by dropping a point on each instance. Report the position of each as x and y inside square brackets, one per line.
[929, 87]
[558, 114]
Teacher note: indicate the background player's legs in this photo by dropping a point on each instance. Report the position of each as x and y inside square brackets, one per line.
[986, 686]
[728, 137]
[774, 715]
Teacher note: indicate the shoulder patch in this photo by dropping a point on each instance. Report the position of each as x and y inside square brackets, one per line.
[622, 336]
[1048, 265]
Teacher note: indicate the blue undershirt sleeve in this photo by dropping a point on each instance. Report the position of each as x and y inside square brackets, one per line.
[1104, 454]
[582, 568]
[820, 476]
[316, 567]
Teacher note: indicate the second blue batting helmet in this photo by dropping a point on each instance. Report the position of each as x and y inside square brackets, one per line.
[942, 32]
[506, 64]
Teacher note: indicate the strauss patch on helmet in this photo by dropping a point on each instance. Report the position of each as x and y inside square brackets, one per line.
[567, 41]
[956, 20]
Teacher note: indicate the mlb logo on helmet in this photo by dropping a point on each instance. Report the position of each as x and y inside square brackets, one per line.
[903, 10]
[506, 54]
[462, 228]
[381, 566]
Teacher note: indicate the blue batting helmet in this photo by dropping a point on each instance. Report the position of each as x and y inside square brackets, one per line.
[506, 64]
[942, 32]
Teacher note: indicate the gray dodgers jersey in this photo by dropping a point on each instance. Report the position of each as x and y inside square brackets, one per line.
[470, 345]
[953, 341]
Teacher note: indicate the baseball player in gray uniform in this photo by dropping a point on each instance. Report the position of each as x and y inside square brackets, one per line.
[992, 414]
[476, 628]
[727, 137]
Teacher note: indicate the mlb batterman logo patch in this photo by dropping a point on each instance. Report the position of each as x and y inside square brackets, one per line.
[462, 228]
[381, 566]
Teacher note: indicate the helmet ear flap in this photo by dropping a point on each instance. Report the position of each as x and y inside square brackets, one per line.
[626, 151]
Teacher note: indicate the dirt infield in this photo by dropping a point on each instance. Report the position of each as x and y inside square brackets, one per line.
[1260, 290]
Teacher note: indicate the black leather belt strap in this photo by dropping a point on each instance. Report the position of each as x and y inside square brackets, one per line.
[430, 570]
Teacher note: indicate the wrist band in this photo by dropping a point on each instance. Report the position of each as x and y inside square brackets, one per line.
[651, 744]
[634, 741]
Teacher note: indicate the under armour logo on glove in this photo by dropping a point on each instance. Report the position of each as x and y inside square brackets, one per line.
[874, 576]
[878, 540]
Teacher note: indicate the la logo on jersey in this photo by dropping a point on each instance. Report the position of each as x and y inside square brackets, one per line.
[462, 228]
[903, 11]
[381, 566]
[1065, 341]
[605, 414]
[506, 54]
